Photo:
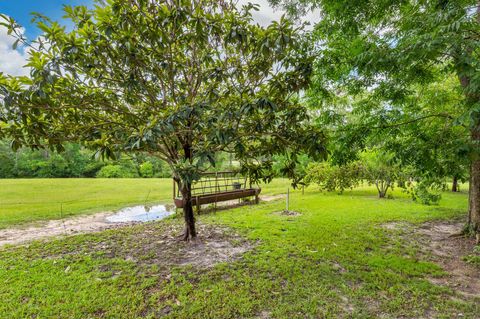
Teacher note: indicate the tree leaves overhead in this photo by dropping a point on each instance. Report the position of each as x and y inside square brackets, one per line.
[180, 79]
[387, 74]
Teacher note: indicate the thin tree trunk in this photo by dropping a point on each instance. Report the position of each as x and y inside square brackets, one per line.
[455, 184]
[190, 232]
[381, 189]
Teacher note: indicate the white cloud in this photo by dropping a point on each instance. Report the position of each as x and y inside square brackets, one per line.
[11, 61]
[267, 14]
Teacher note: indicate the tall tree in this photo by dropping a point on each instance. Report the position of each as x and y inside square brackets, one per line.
[180, 79]
[388, 46]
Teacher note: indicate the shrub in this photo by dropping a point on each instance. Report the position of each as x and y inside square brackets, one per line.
[54, 166]
[92, 168]
[146, 170]
[7, 161]
[114, 171]
[332, 177]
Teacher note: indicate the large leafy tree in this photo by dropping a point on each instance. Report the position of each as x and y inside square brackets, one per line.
[420, 132]
[390, 46]
[179, 79]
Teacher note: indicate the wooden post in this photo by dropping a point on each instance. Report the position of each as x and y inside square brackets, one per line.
[174, 189]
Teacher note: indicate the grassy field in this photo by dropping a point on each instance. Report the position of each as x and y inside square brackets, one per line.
[30, 200]
[332, 260]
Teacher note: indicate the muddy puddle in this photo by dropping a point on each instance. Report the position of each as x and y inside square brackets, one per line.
[141, 214]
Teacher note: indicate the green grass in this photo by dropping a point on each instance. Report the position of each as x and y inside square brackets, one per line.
[333, 260]
[31, 200]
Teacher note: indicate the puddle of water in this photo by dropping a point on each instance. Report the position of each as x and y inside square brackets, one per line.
[140, 214]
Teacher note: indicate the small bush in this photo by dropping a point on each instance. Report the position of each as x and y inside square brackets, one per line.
[114, 171]
[92, 168]
[146, 170]
[332, 177]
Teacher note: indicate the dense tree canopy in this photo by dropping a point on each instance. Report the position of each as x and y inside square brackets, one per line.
[391, 49]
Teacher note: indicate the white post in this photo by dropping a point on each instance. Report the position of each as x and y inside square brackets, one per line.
[288, 197]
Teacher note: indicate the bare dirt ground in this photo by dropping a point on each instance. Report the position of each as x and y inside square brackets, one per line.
[163, 245]
[85, 224]
[437, 243]
[61, 227]
[290, 213]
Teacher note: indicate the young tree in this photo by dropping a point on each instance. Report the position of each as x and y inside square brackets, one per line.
[180, 79]
[388, 46]
[379, 168]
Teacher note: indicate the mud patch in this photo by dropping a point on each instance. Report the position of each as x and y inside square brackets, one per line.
[215, 245]
[438, 245]
[290, 213]
[397, 225]
[161, 245]
[264, 315]
[53, 228]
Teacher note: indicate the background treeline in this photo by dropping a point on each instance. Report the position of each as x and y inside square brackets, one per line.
[75, 161]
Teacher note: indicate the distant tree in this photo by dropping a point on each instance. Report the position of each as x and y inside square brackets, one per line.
[380, 169]
[427, 151]
[181, 80]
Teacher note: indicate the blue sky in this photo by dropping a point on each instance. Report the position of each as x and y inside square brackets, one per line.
[21, 11]
[12, 61]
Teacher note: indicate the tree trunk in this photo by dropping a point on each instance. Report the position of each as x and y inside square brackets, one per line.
[474, 191]
[474, 187]
[190, 232]
[455, 184]
[380, 189]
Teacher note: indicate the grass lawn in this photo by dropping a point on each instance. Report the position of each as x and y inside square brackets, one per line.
[30, 200]
[332, 260]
